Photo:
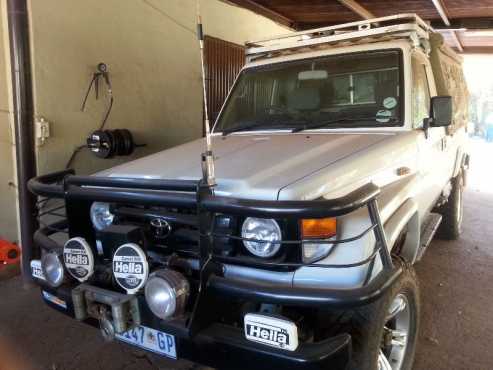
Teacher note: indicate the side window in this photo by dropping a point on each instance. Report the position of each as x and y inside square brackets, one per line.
[421, 93]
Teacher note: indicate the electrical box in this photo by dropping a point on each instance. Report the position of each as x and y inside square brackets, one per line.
[42, 130]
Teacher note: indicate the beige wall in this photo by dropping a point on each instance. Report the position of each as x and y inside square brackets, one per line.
[152, 51]
[8, 205]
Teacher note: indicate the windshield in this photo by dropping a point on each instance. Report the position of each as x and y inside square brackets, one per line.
[351, 90]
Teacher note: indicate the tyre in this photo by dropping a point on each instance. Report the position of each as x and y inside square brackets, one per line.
[452, 212]
[384, 333]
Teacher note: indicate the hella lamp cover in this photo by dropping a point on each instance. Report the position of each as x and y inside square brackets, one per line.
[130, 267]
[78, 259]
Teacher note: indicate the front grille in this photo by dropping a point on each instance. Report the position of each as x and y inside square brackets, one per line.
[183, 235]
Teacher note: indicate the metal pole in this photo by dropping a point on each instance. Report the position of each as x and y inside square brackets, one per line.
[20, 60]
[208, 156]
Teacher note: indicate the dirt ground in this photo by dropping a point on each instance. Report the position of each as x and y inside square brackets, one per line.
[456, 289]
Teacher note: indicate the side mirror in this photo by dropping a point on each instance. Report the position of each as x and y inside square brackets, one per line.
[440, 111]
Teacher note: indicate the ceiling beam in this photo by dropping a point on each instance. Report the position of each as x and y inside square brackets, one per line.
[465, 23]
[456, 40]
[357, 8]
[456, 24]
[478, 50]
[264, 11]
[442, 11]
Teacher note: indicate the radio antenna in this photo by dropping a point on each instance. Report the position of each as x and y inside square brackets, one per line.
[208, 156]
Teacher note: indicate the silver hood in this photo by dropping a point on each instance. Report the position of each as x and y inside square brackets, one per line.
[251, 166]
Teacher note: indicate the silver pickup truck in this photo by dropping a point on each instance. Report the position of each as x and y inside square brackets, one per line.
[339, 154]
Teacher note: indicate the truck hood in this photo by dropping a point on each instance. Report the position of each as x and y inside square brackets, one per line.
[251, 166]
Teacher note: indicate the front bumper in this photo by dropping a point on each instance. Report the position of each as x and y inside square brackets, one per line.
[225, 347]
[222, 346]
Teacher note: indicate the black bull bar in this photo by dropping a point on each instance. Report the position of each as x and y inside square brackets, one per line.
[195, 195]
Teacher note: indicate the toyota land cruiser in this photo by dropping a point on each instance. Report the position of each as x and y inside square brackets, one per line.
[338, 154]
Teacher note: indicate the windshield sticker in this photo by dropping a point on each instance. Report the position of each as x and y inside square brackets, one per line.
[383, 116]
[390, 102]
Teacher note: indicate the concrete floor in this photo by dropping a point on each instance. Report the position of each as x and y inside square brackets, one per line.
[457, 307]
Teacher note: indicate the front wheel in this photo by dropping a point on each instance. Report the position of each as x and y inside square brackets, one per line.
[385, 332]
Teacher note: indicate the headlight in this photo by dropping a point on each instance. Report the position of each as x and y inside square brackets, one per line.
[166, 293]
[101, 216]
[52, 267]
[261, 229]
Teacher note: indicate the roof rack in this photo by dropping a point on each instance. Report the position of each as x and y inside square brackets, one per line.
[397, 26]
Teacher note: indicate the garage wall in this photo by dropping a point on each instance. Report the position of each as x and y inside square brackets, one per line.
[153, 56]
[8, 196]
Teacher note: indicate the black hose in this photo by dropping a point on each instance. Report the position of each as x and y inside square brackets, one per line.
[74, 154]
[83, 106]
[108, 111]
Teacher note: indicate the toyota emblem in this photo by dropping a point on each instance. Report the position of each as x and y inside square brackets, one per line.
[160, 227]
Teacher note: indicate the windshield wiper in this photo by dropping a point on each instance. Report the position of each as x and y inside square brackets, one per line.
[248, 125]
[322, 124]
[242, 127]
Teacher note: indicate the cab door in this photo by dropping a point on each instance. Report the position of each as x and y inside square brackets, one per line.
[431, 143]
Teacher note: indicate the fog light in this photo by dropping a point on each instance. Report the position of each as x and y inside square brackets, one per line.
[167, 293]
[52, 266]
[101, 216]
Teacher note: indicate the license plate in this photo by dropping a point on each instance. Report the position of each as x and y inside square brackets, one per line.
[272, 331]
[151, 340]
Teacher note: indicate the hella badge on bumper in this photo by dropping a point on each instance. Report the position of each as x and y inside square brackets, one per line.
[36, 270]
[272, 331]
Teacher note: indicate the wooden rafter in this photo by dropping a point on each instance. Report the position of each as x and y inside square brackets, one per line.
[478, 50]
[264, 11]
[457, 42]
[462, 24]
[310, 14]
[442, 11]
[357, 8]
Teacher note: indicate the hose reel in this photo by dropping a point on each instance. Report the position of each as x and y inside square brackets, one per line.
[106, 143]
[111, 143]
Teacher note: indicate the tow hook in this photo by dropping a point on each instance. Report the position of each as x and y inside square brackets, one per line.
[116, 313]
[106, 326]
